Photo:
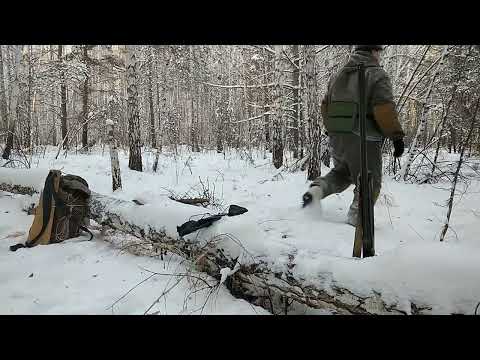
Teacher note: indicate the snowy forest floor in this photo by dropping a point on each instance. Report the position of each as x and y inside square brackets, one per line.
[84, 277]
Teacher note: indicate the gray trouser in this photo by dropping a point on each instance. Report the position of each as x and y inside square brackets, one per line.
[346, 161]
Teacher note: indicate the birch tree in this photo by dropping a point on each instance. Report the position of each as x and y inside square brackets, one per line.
[135, 157]
[85, 93]
[115, 165]
[312, 114]
[153, 140]
[277, 146]
[3, 95]
[63, 97]
[14, 111]
[296, 99]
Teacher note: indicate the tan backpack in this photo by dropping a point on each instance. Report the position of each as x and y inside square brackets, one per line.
[62, 211]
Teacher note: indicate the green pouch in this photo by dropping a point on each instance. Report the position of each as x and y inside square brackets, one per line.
[341, 117]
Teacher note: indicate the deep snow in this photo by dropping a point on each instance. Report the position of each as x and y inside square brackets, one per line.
[88, 277]
[411, 264]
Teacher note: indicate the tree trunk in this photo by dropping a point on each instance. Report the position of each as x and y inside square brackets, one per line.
[162, 108]
[85, 101]
[453, 139]
[115, 165]
[301, 112]
[27, 140]
[193, 101]
[14, 103]
[135, 158]
[162, 118]
[63, 98]
[266, 107]
[314, 166]
[296, 100]
[219, 121]
[444, 121]
[278, 145]
[153, 140]
[163, 104]
[3, 95]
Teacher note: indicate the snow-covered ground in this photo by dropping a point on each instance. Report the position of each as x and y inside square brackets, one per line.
[94, 277]
[411, 264]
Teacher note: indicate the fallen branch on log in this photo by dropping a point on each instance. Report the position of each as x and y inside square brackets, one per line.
[17, 189]
[253, 280]
[194, 201]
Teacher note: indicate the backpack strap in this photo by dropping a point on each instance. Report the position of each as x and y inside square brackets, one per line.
[16, 247]
[48, 193]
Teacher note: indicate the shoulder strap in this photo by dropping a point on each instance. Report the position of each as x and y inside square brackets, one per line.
[48, 192]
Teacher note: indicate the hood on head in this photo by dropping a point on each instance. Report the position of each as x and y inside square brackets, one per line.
[358, 57]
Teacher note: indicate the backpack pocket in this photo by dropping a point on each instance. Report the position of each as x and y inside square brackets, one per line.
[341, 117]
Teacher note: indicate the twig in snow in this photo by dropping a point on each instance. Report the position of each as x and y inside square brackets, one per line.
[129, 291]
[189, 274]
[262, 222]
[164, 293]
[421, 237]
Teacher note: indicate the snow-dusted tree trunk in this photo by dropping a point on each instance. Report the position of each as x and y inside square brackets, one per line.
[301, 109]
[266, 103]
[27, 126]
[3, 96]
[194, 135]
[13, 113]
[163, 106]
[296, 99]
[52, 112]
[442, 127]
[85, 93]
[116, 177]
[219, 121]
[313, 119]
[135, 158]
[162, 109]
[63, 97]
[153, 140]
[414, 147]
[277, 145]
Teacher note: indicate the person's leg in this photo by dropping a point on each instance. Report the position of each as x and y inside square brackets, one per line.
[336, 181]
[339, 178]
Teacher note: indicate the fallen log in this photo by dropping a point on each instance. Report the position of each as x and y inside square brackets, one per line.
[254, 280]
[18, 189]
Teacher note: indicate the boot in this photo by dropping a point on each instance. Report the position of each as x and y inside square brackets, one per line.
[314, 194]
